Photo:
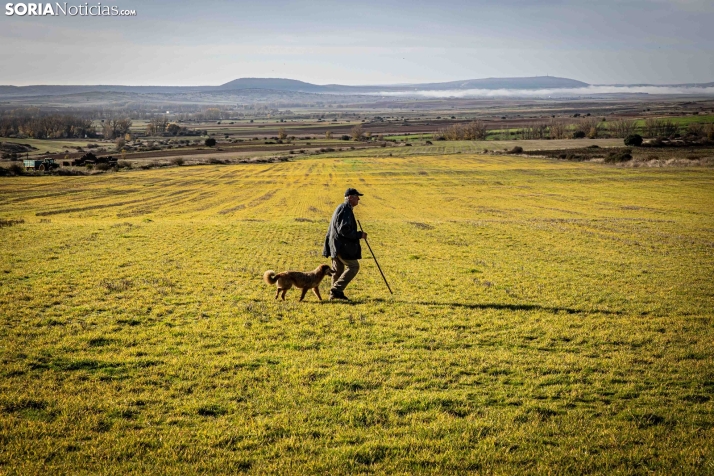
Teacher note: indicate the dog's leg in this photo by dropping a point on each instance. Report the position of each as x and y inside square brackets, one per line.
[284, 291]
[317, 293]
[277, 293]
[304, 291]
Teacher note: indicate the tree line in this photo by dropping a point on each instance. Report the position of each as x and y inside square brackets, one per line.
[61, 126]
[590, 127]
[47, 127]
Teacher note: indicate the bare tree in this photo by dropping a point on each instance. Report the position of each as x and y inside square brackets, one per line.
[656, 127]
[116, 127]
[328, 135]
[282, 134]
[475, 130]
[558, 130]
[212, 114]
[623, 127]
[124, 126]
[46, 127]
[357, 132]
[536, 130]
[591, 127]
[160, 124]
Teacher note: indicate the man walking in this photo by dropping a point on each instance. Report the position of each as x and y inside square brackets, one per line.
[342, 244]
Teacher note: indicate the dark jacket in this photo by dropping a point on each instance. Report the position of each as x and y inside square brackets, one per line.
[343, 236]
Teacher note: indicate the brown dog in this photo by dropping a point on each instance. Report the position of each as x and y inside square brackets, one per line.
[288, 279]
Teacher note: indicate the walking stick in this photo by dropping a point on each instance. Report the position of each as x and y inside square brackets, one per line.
[375, 259]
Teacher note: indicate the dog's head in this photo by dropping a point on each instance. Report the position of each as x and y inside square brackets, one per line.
[326, 270]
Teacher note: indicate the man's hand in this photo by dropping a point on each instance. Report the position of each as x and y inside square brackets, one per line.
[364, 235]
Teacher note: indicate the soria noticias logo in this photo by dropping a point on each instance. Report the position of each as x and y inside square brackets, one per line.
[65, 9]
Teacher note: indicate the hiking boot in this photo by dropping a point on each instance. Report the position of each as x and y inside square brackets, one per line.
[338, 295]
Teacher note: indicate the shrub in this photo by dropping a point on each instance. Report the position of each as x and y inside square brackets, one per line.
[578, 134]
[4, 222]
[210, 142]
[619, 156]
[475, 130]
[345, 137]
[178, 161]
[634, 140]
[516, 150]
[709, 131]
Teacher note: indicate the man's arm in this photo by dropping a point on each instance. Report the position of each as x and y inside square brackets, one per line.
[345, 228]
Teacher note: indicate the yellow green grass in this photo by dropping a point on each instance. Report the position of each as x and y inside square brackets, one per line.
[548, 318]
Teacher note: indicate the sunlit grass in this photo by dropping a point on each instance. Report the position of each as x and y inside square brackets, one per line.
[548, 317]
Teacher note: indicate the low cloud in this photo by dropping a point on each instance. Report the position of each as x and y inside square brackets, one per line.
[588, 91]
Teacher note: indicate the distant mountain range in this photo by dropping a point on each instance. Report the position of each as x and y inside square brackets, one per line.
[294, 86]
[538, 82]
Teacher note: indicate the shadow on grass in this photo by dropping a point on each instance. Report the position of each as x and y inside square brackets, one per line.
[464, 305]
[503, 307]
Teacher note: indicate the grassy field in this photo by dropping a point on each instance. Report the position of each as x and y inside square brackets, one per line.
[684, 121]
[548, 318]
[418, 148]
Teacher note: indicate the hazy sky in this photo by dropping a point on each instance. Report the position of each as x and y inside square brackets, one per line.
[363, 42]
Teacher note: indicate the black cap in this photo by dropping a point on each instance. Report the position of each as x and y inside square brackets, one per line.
[352, 191]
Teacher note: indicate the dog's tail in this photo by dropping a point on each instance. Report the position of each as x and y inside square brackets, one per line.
[270, 277]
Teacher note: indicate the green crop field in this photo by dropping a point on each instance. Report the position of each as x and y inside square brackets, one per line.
[684, 121]
[548, 318]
